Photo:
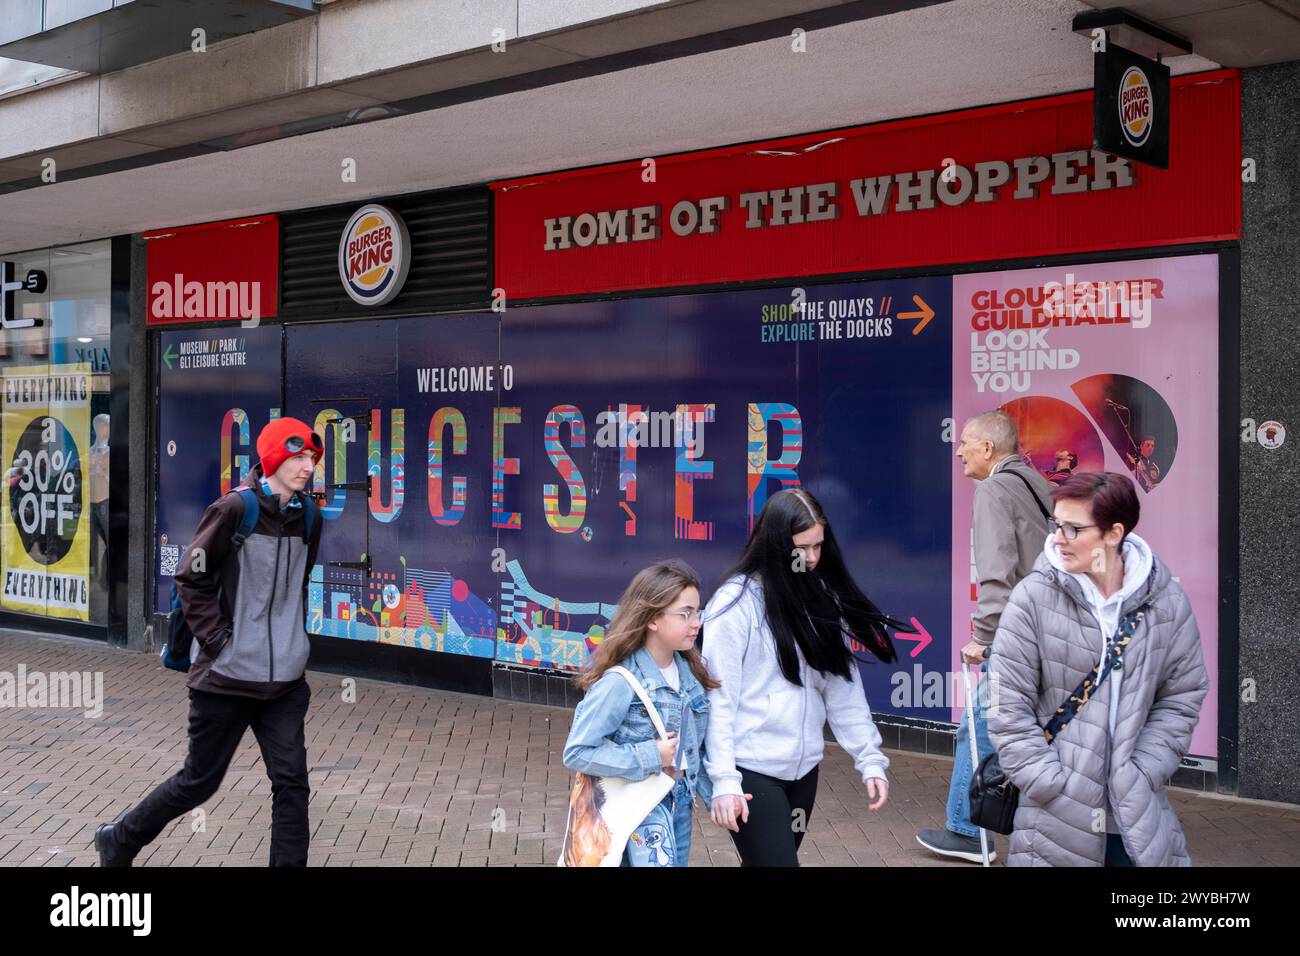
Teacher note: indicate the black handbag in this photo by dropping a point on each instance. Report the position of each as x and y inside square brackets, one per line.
[993, 797]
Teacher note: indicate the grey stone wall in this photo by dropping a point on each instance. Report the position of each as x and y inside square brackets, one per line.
[1269, 758]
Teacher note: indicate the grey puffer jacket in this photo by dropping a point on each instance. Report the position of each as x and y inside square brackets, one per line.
[1046, 644]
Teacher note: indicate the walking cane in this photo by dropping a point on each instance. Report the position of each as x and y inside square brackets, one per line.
[974, 749]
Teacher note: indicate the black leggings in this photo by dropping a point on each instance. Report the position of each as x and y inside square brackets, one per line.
[778, 818]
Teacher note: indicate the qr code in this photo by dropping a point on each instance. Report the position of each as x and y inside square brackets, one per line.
[171, 556]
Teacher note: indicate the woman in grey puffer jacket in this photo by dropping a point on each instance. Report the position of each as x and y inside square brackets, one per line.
[1096, 794]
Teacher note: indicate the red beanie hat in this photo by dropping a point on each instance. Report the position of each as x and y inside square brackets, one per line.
[270, 443]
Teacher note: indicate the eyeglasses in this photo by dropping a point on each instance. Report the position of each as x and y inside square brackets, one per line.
[1069, 531]
[295, 443]
[687, 616]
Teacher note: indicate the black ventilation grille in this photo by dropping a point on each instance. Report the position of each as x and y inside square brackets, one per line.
[451, 256]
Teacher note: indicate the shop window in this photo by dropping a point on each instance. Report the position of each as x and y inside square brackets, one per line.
[54, 438]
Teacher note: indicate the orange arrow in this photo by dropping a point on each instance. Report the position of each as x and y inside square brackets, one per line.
[925, 315]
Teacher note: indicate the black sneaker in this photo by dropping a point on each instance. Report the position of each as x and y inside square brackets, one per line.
[111, 853]
[947, 843]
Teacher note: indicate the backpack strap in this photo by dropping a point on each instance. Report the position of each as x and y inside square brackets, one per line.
[248, 521]
[628, 676]
[308, 517]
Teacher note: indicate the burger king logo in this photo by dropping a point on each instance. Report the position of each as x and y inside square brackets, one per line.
[1136, 106]
[374, 255]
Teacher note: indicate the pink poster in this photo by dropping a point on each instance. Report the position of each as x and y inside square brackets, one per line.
[1109, 367]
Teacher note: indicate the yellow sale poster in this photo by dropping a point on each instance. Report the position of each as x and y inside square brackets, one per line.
[45, 519]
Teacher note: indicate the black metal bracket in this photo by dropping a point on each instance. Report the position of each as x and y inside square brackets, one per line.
[361, 423]
[363, 485]
[350, 485]
[352, 565]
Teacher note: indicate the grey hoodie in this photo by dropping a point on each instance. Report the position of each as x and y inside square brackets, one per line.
[247, 610]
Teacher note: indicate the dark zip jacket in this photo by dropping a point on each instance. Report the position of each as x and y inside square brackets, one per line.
[247, 611]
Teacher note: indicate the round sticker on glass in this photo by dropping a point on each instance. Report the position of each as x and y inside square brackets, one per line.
[1271, 434]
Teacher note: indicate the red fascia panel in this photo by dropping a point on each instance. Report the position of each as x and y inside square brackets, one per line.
[1198, 199]
[242, 251]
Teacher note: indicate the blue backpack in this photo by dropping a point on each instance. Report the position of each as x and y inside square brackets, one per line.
[180, 639]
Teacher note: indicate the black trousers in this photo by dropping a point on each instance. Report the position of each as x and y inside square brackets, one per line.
[217, 725]
[778, 818]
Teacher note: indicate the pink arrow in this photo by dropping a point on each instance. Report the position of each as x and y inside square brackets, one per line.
[922, 640]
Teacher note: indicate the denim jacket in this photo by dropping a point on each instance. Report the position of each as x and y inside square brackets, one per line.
[612, 734]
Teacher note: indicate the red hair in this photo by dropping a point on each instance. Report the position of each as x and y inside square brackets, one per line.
[1111, 498]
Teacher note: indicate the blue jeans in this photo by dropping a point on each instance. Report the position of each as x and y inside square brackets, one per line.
[962, 769]
[664, 836]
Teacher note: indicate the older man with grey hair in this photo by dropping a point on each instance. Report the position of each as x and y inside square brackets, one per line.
[1010, 514]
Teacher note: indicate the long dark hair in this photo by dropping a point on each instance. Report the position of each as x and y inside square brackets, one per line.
[810, 608]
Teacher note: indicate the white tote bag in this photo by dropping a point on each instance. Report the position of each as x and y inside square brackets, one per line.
[603, 811]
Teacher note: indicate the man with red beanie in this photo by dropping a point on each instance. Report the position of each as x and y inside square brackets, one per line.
[245, 606]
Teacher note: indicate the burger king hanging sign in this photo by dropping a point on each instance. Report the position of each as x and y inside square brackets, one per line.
[1130, 115]
[374, 255]
[1136, 106]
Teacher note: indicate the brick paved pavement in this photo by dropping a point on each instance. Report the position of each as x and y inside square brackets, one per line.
[412, 777]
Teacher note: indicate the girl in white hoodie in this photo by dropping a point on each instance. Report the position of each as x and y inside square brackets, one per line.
[780, 635]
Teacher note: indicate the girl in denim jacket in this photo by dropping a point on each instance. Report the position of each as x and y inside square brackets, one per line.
[653, 636]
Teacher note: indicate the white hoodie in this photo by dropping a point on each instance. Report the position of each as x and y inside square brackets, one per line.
[758, 719]
[1136, 555]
